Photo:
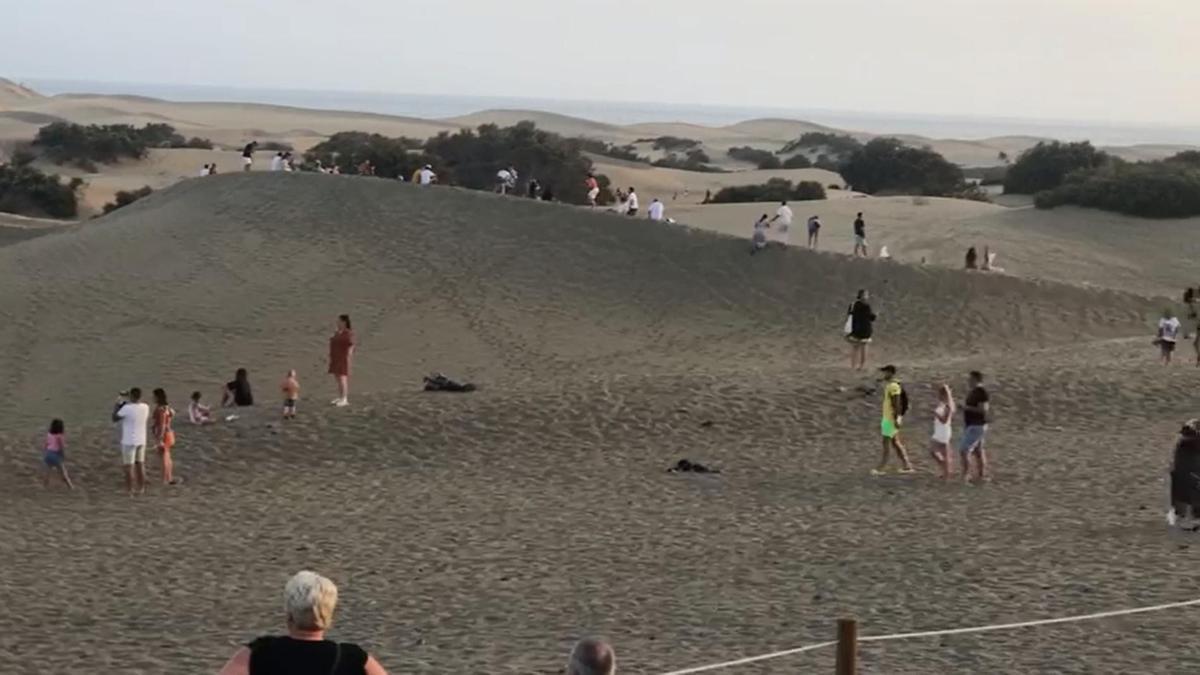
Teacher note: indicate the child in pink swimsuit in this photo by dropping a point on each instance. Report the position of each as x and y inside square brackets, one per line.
[54, 454]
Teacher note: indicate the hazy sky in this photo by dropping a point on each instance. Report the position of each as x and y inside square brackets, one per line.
[1116, 60]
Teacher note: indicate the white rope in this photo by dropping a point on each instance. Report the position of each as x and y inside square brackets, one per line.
[934, 633]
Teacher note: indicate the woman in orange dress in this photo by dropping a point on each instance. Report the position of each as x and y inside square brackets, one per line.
[164, 433]
[341, 351]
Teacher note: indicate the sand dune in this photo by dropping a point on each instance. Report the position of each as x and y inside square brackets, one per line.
[467, 531]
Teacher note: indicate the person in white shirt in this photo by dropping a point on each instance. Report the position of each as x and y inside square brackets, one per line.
[426, 176]
[1168, 335]
[656, 210]
[784, 217]
[277, 162]
[205, 171]
[133, 416]
[631, 203]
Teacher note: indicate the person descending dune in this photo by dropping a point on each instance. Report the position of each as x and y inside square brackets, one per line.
[895, 405]
[758, 240]
[860, 328]
[1168, 336]
[248, 155]
[860, 237]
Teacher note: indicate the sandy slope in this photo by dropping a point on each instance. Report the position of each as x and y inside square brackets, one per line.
[495, 528]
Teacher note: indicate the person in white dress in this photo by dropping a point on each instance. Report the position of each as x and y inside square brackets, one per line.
[939, 444]
[783, 216]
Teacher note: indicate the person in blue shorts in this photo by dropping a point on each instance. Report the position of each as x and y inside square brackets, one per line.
[975, 427]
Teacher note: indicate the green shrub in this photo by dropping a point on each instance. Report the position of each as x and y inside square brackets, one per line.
[763, 159]
[27, 191]
[391, 157]
[797, 162]
[1046, 165]
[127, 197]
[887, 165]
[840, 145]
[64, 142]
[1169, 189]
[670, 143]
[1191, 157]
[774, 190]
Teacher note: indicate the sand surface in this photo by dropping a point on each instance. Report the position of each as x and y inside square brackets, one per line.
[486, 532]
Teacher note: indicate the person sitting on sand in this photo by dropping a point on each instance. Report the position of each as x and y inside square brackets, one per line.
[426, 176]
[164, 435]
[54, 454]
[1168, 335]
[758, 240]
[976, 409]
[309, 601]
[861, 322]
[237, 393]
[205, 171]
[657, 210]
[291, 394]
[631, 203]
[198, 413]
[277, 162]
[939, 444]
[891, 422]
[1185, 477]
[592, 657]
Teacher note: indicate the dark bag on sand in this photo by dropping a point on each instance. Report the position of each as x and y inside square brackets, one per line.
[903, 402]
[687, 466]
[439, 382]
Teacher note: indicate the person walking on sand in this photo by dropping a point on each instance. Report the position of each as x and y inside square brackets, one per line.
[657, 210]
[1168, 335]
[783, 216]
[758, 240]
[1185, 478]
[341, 353]
[133, 416]
[860, 323]
[291, 394]
[860, 237]
[593, 189]
[814, 232]
[976, 409]
[939, 444]
[631, 203]
[164, 435]
[971, 259]
[894, 406]
[54, 454]
[248, 155]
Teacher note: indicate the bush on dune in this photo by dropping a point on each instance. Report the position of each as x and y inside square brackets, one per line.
[391, 157]
[763, 159]
[887, 165]
[1046, 165]
[694, 160]
[29, 192]
[127, 197]
[670, 143]
[840, 145]
[1167, 189]
[797, 162]
[774, 190]
[623, 152]
[64, 142]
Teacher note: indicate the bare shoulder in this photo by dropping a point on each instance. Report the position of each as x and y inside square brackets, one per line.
[239, 663]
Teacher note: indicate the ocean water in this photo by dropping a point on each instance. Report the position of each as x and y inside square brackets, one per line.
[440, 106]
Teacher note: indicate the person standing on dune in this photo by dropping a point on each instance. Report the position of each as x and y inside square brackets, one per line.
[164, 434]
[657, 210]
[341, 351]
[895, 405]
[860, 328]
[133, 416]
[426, 176]
[783, 216]
[860, 237]
[1168, 335]
[631, 203]
[976, 410]
[593, 189]
[248, 155]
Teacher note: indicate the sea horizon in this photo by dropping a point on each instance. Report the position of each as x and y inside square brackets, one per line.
[441, 106]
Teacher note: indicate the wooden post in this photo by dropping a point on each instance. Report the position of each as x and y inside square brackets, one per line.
[847, 647]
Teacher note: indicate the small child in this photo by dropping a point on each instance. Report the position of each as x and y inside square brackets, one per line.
[291, 394]
[54, 455]
[199, 413]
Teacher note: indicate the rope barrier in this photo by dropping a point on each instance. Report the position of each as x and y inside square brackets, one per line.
[935, 633]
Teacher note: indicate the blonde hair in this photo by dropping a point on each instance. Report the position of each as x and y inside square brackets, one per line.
[309, 600]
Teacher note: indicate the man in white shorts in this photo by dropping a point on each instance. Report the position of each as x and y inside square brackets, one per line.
[784, 217]
[248, 155]
[133, 416]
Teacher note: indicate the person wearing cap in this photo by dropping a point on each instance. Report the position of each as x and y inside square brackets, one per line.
[893, 410]
[426, 176]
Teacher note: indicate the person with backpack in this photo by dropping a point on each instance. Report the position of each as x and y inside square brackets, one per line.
[895, 406]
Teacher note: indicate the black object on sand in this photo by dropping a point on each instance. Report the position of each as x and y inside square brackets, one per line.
[439, 382]
[687, 466]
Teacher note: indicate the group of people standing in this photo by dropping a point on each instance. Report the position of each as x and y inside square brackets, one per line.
[781, 223]
[140, 424]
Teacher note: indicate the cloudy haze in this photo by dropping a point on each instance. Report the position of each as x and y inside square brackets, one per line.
[1106, 60]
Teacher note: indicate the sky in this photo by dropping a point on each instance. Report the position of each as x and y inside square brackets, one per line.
[1096, 60]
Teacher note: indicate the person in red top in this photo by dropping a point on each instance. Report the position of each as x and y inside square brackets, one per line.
[593, 189]
[164, 434]
[341, 351]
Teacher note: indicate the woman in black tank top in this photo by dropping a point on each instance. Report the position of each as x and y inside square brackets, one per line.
[309, 600]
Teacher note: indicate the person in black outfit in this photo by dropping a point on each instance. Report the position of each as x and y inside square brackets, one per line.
[972, 258]
[1185, 475]
[862, 328]
[860, 237]
[237, 393]
[309, 600]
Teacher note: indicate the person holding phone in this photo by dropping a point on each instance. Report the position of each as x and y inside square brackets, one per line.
[133, 415]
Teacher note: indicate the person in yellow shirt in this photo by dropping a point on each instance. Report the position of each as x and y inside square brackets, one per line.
[893, 419]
